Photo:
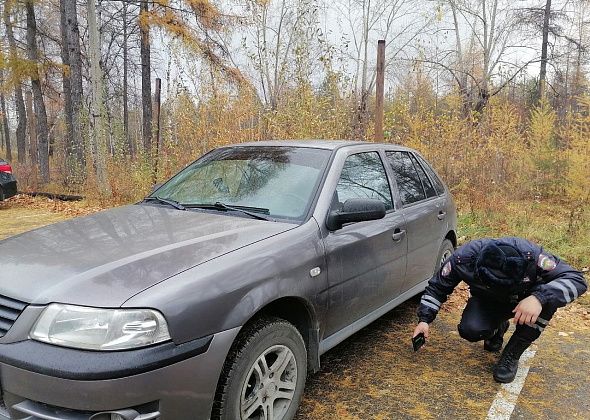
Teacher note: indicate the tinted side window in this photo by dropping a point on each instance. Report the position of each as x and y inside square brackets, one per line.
[430, 192]
[406, 176]
[363, 176]
[438, 185]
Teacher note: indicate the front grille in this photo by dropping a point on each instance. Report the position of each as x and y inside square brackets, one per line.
[10, 309]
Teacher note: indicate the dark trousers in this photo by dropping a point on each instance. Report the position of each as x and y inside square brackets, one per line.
[482, 317]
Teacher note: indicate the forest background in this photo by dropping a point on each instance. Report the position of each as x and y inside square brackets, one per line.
[106, 98]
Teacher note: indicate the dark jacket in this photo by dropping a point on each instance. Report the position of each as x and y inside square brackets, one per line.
[549, 279]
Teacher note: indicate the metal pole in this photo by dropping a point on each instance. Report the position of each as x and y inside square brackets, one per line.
[379, 93]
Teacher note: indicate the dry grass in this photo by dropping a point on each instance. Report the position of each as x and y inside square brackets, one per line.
[375, 374]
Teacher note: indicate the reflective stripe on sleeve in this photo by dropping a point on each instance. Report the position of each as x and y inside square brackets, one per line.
[430, 305]
[556, 285]
[431, 299]
[542, 321]
[570, 285]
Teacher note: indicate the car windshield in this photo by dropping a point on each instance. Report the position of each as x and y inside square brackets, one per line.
[278, 181]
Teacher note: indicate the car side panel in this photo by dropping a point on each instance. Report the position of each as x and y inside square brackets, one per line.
[425, 234]
[366, 268]
[226, 292]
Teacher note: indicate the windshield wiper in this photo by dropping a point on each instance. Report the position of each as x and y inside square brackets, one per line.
[168, 201]
[250, 211]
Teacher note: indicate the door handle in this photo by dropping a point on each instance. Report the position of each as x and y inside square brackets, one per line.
[441, 215]
[398, 234]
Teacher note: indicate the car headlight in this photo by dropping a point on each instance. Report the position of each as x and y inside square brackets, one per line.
[99, 329]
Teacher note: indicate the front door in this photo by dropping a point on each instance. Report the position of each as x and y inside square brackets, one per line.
[366, 260]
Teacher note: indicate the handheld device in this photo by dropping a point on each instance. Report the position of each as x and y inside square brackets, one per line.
[418, 341]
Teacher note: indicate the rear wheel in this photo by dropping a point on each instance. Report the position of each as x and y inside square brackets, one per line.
[264, 374]
[1, 194]
[446, 250]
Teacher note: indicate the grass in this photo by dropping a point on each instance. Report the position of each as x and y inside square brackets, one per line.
[547, 223]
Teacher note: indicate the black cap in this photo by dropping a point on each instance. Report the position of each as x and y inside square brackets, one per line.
[501, 265]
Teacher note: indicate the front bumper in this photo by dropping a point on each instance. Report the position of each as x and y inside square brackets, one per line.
[181, 390]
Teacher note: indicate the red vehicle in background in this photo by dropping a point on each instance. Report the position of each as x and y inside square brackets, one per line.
[7, 181]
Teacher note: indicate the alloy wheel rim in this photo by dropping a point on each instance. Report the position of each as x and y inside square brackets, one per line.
[445, 256]
[270, 385]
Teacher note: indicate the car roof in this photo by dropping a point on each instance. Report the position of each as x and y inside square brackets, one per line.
[316, 144]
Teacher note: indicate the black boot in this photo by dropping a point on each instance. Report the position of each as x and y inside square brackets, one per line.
[505, 369]
[494, 343]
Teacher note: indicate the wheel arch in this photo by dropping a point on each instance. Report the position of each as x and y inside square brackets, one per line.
[452, 236]
[299, 312]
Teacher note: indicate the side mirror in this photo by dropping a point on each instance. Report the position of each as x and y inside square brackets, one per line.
[355, 210]
[155, 187]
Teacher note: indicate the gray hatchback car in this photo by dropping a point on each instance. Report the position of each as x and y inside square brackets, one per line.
[218, 293]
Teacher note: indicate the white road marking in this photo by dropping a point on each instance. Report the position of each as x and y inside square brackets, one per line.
[506, 398]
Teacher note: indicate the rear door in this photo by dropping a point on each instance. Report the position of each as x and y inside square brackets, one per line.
[424, 212]
[366, 260]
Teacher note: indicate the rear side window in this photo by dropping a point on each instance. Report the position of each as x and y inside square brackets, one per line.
[438, 185]
[430, 192]
[406, 176]
[363, 176]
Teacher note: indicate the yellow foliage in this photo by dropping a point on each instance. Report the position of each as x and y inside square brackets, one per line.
[578, 154]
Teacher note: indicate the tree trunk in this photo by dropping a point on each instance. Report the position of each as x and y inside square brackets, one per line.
[462, 79]
[21, 115]
[543, 70]
[360, 129]
[128, 141]
[75, 64]
[32, 129]
[5, 126]
[42, 140]
[67, 91]
[98, 135]
[146, 84]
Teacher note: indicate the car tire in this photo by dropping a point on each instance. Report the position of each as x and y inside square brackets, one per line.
[264, 374]
[1, 194]
[445, 251]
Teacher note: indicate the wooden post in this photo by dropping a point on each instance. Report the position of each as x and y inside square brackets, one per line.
[379, 88]
[157, 106]
[32, 128]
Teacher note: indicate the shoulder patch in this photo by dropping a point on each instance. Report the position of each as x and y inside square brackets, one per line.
[545, 262]
[446, 270]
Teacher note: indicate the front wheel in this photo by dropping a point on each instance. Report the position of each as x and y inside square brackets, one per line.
[264, 374]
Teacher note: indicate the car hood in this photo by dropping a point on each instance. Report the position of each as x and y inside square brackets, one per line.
[105, 258]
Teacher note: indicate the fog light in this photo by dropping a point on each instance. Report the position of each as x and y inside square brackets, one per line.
[127, 414]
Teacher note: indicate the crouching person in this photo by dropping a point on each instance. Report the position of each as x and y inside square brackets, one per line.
[508, 278]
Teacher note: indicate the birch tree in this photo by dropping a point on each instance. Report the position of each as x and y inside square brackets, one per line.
[21, 114]
[362, 23]
[97, 114]
[276, 27]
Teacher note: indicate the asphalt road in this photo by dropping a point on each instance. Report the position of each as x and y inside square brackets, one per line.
[376, 375]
